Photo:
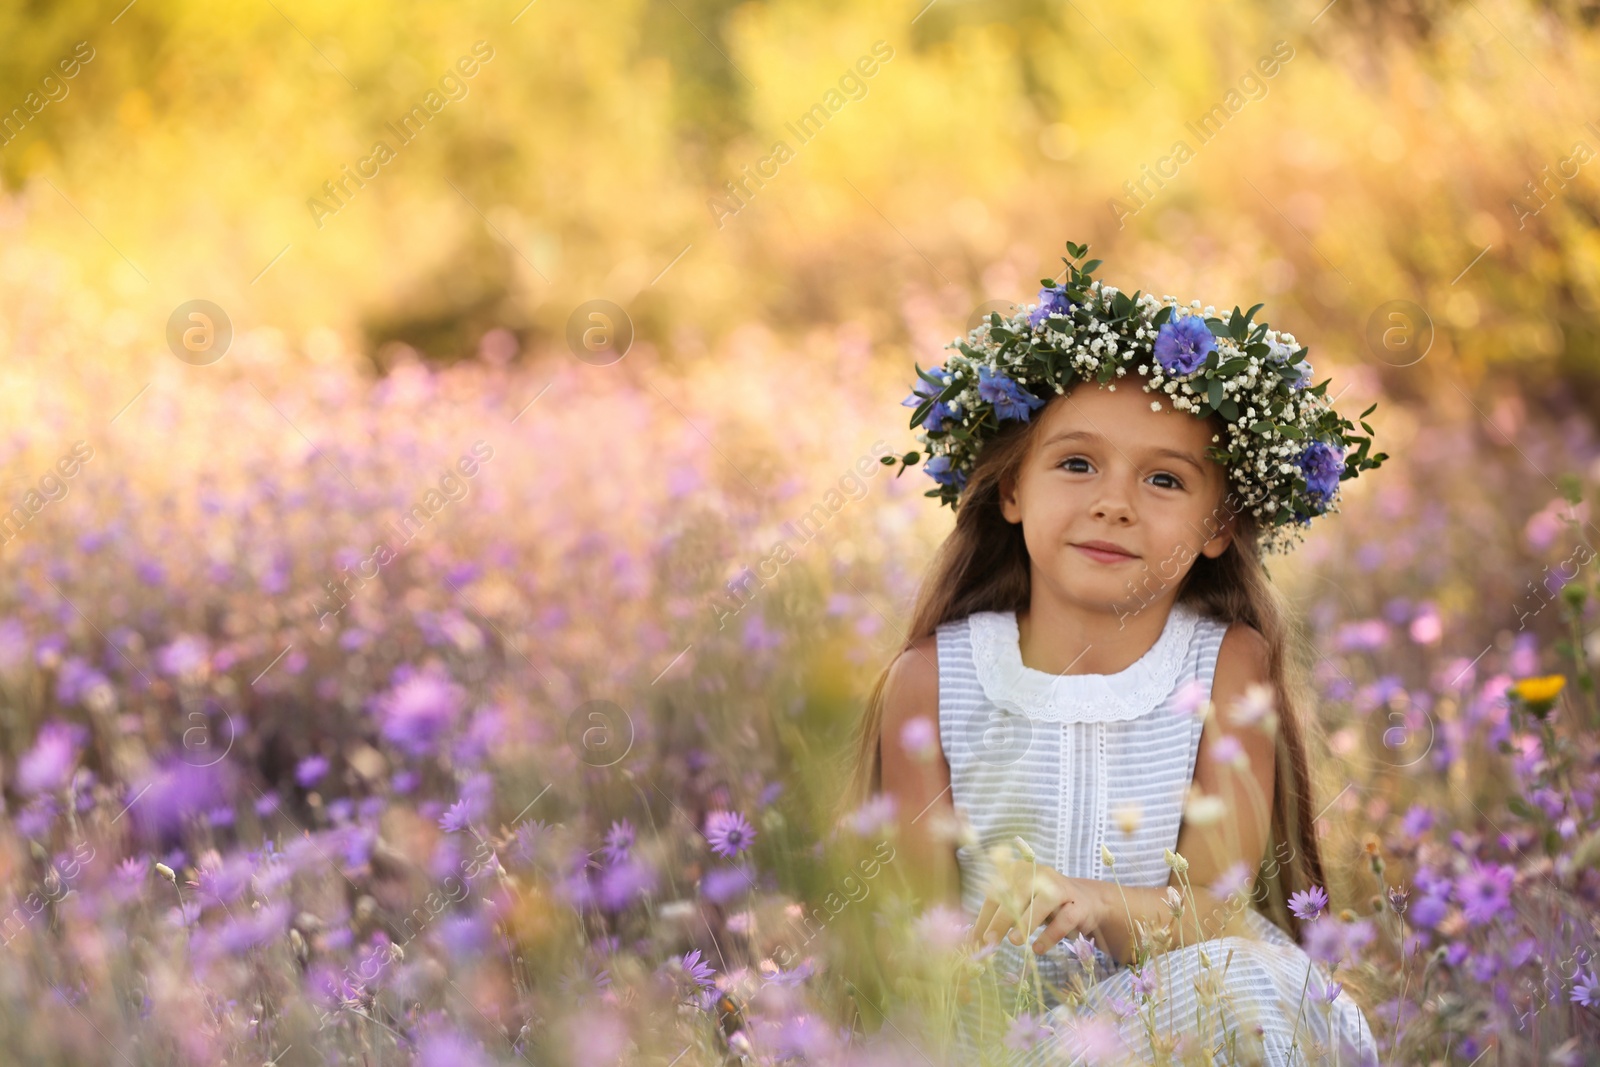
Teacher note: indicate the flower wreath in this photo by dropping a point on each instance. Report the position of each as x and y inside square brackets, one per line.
[1286, 450]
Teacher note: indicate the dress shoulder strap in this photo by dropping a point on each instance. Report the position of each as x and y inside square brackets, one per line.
[960, 693]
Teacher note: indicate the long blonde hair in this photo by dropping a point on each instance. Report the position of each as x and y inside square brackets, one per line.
[983, 566]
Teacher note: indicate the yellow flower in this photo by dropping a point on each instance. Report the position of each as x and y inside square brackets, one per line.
[1535, 690]
[1539, 694]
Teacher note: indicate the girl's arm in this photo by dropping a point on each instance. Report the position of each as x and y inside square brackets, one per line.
[920, 787]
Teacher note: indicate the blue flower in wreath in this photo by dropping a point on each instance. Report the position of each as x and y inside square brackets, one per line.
[1182, 346]
[1051, 302]
[1010, 400]
[1321, 464]
[938, 468]
[1304, 367]
[940, 413]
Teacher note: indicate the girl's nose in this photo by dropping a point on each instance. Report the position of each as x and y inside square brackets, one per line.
[1113, 509]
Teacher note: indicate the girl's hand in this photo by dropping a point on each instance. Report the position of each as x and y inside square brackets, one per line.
[1065, 906]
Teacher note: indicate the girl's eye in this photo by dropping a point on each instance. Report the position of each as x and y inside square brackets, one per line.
[1067, 464]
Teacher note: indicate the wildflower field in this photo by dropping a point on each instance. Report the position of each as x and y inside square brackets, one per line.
[440, 582]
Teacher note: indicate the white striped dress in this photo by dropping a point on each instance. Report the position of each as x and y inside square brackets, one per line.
[1055, 759]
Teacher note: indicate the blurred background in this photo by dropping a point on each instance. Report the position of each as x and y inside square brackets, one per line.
[402, 405]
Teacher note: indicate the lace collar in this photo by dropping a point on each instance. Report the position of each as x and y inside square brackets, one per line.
[1134, 691]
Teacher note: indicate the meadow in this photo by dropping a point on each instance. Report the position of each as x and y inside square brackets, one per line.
[434, 622]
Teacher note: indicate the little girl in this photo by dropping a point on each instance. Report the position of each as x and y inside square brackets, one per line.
[1121, 750]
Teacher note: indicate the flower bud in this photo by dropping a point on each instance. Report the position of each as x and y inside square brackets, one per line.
[1175, 861]
[1106, 858]
[1024, 848]
[166, 872]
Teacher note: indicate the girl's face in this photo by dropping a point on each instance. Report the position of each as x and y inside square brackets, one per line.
[1106, 468]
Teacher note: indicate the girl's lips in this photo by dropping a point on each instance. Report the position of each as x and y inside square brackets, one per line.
[1100, 555]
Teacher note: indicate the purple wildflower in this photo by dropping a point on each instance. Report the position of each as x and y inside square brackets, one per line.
[48, 765]
[621, 884]
[418, 709]
[1399, 898]
[1308, 903]
[1182, 346]
[455, 819]
[1322, 464]
[187, 656]
[1121, 1007]
[310, 771]
[526, 843]
[446, 1049]
[697, 969]
[250, 929]
[1417, 821]
[77, 680]
[484, 733]
[162, 799]
[619, 839]
[356, 844]
[13, 645]
[793, 976]
[874, 816]
[464, 937]
[725, 883]
[1485, 891]
[1026, 1031]
[728, 833]
[224, 880]
[36, 819]
[1325, 992]
[1586, 990]
[1010, 400]
[1144, 982]
[1334, 942]
[804, 1037]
